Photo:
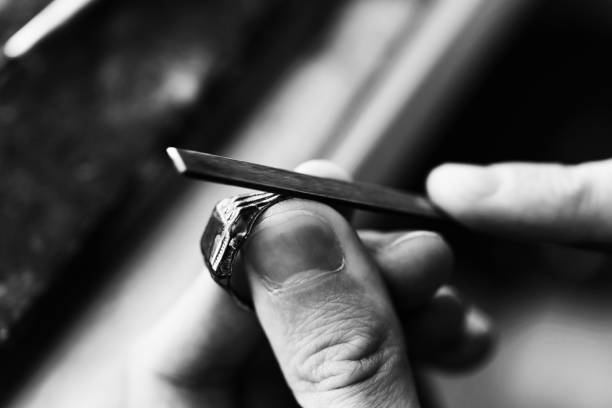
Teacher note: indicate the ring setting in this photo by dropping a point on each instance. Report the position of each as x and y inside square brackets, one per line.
[227, 230]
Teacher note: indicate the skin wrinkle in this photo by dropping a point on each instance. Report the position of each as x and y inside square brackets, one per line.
[320, 373]
[586, 200]
[565, 184]
[567, 199]
[595, 202]
[340, 344]
[348, 347]
[378, 390]
[565, 187]
[597, 174]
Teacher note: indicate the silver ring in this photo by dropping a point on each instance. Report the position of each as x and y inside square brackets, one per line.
[227, 230]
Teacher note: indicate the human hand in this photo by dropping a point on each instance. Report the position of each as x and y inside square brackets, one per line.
[336, 308]
[545, 202]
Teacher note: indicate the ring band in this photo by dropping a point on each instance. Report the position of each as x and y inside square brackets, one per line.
[228, 228]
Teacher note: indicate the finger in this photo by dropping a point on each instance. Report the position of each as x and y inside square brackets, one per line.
[325, 168]
[325, 310]
[193, 355]
[566, 204]
[448, 334]
[474, 344]
[437, 325]
[414, 264]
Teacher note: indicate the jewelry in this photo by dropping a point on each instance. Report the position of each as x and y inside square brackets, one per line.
[227, 230]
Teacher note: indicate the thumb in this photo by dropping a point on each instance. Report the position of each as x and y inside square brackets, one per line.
[323, 306]
[551, 202]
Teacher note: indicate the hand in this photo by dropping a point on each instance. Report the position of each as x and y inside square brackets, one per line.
[336, 308]
[562, 204]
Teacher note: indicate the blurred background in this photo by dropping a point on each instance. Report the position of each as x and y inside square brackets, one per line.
[99, 235]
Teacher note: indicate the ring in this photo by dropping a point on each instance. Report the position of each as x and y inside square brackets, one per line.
[227, 230]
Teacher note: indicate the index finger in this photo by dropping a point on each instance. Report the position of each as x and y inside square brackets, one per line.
[548, 202]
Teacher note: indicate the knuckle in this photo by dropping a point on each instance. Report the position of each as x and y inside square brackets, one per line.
[572, 188]
[589, 200]
[573, 193]
[344, 353]
[566, 190]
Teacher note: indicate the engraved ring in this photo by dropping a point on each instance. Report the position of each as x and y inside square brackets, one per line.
[227, 230]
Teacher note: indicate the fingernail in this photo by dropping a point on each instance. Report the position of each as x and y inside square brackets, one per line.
[290, 248]
[467, 181]
[410, 236]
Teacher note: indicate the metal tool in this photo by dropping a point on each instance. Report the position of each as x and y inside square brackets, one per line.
[363, 196]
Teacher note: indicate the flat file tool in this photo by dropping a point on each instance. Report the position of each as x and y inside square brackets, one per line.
[362, 196]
